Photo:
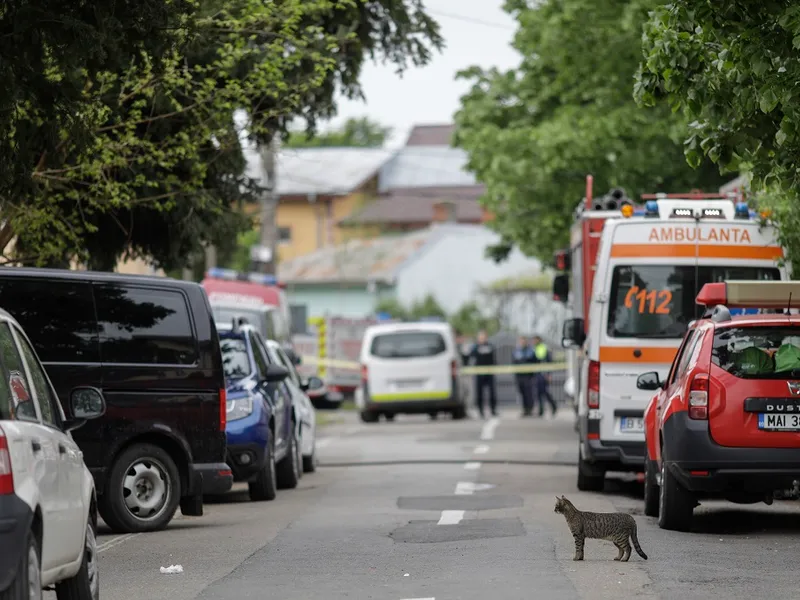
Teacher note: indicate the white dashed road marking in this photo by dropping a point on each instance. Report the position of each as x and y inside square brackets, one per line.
[451, 517]
[482, 449]
[472, 466]
[322, 442]
[487, 433]
[115, 541]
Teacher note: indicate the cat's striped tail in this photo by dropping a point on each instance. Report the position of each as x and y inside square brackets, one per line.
[635, 541]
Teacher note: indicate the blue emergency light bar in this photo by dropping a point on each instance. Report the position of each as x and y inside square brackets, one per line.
[232, 275]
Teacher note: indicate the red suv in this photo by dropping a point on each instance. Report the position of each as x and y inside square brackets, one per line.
[726, 422]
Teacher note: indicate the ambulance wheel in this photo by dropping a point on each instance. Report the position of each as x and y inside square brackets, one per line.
[651, 498]
[389, 416]
[589, 479]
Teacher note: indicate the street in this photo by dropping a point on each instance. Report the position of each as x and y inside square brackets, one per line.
[474, 521]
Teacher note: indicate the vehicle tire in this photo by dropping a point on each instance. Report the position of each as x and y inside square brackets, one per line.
[85, 584]
[651, 492]
[460, 413]
[369, 417]
[676, 504]
[264, 488]
[27, 582]
[142, 492]
[299, 455]
[287, 469]
[310, 462]
[589, 479]
[433, 415]
[389, 416]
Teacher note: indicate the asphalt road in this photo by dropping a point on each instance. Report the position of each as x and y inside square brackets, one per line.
[451, 511]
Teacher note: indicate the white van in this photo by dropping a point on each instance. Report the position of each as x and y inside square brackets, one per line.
[410, 368]
[647, 273]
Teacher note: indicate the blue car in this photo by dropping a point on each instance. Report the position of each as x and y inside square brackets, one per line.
[262, 428]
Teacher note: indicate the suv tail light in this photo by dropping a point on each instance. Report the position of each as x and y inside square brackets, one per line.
[6, 475]
[454, 368]
[223, 409]
[593, 387]
[364, 374]
[698, 397]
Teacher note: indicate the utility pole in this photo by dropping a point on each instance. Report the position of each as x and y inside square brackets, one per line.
[265, 255]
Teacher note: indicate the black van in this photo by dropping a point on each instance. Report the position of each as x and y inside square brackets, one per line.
[151, 345]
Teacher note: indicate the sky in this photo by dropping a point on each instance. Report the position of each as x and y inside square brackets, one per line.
[476, 32]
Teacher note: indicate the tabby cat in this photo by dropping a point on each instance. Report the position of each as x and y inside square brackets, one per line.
[614, 527]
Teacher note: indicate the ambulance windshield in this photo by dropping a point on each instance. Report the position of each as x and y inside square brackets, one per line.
[657, 301]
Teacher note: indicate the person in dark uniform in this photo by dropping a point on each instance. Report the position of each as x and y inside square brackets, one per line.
[483, 355]
[542, 380]
[524, 355]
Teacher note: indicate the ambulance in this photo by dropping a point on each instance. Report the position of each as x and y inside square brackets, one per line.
[633, 274]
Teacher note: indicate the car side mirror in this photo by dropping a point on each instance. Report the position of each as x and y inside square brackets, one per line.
[572, 333]
[276, 373]
[85, 403]
[649, 381]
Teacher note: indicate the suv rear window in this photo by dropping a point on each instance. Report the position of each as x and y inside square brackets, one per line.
[407, 344]
[758, 352]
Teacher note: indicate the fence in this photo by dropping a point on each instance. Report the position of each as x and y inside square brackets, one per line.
[506, 384]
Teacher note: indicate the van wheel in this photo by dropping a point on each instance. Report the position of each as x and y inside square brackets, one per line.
[263, 488]
[369, 417]
[589, 479]
[389, 416]
[651, 494]
[460, 413]
[85, 585]
[675, 505]
[27, 582]
[433, 415]
[143, 490]
[287, 471]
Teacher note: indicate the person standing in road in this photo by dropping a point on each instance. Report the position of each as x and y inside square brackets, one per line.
[524, 355]
[542, 380]
[483, 355]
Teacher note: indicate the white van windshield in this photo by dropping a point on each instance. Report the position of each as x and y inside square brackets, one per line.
[407, 344]
[658, 301]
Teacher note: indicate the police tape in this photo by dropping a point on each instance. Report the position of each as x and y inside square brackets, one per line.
[350, 365]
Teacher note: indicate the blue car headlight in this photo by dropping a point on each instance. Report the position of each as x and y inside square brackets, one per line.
[239, 408]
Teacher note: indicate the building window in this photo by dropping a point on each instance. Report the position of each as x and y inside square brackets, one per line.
[284, 235]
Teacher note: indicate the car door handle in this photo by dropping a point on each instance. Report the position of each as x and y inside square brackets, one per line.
[37, 447]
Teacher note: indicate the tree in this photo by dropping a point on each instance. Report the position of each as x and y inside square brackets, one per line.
[427, 307]
[355, 133]
[533, 133]
[732, 68]
[158, 170]
[469, 320]
[52, 51]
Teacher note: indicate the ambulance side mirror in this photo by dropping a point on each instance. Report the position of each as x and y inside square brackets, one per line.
[572, 334]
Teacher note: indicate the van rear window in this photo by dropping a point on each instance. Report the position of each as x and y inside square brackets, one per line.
[758, 352]
[658, 301]
[407, 344]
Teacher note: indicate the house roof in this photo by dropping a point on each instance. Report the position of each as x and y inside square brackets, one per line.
[415, 206]
[359, 260]
[326, 171]
[430, 135]
[426, 166]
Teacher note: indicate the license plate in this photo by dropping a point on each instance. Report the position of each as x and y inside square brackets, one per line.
[631, 424]
[779, 422]
[408, 383]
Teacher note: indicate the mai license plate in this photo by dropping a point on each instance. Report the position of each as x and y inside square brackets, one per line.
[404, 384]
[631, 424]
[778, 422]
